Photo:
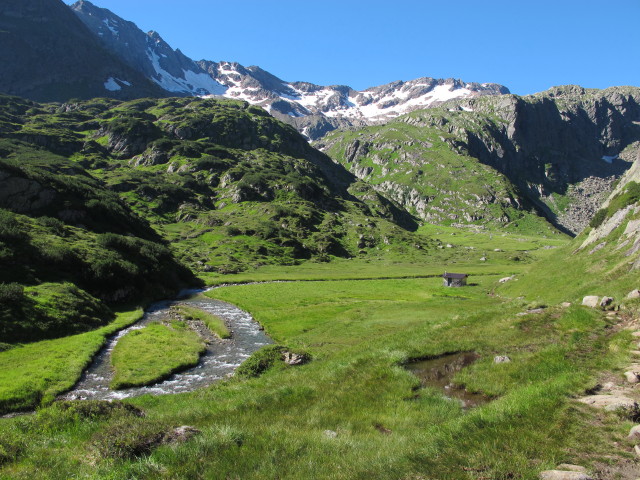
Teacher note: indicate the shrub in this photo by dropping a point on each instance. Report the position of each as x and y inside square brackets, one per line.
[10, 449]
[125, 438]
[11, 293]
[56, 226]
[9, 226]
[260, 361]
[598, 218]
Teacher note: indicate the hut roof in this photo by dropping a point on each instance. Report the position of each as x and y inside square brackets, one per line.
[454, 275]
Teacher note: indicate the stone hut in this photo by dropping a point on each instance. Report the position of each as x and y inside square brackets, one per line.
[454, 279]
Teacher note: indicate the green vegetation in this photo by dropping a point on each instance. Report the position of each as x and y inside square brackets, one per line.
[33, 374]
[213, 322]
[629, 196]
[360, 333]
[261, 361]
[127, 200]
[148, 355]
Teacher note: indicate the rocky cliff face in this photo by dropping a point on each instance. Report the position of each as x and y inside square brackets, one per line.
[48, 54]
[147, 52]
[561, 149]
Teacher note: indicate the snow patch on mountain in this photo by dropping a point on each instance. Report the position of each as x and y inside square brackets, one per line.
[112, 85]
[113, 30]
[194, 83]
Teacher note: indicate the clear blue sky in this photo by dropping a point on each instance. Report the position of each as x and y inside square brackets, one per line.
[528, 46]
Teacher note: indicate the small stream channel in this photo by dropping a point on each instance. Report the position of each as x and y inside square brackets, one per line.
[438, 373]
[220, 359]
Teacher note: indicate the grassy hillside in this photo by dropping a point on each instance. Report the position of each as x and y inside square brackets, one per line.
[500, 161]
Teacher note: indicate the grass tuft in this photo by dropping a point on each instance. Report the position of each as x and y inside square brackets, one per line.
[213, 322]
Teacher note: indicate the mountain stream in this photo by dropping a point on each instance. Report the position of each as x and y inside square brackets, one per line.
[220, 359]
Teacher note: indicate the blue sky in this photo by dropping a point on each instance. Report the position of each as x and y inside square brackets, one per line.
[527, 46]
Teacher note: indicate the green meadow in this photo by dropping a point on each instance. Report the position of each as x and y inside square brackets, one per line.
[354, 411]
[33, 374]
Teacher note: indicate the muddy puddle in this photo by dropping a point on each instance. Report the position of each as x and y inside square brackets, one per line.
[220, 360]
[438, 372]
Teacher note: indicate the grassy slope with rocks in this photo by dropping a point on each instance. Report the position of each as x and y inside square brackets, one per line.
[70, 249]
[603, 260]
[93, 192]
[489, 160]
[225, 183]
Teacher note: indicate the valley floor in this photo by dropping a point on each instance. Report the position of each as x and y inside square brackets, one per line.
[354, 411]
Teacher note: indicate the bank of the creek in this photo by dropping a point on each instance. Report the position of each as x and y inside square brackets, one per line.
[220, 359]
[438, 373]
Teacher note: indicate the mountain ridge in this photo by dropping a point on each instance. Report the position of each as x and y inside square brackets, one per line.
[311, 109]
[41, 64]
[563, 149]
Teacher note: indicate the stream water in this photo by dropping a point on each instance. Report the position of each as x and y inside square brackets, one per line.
[220, 359]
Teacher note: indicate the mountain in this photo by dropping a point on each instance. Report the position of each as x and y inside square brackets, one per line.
[314, 109]
[147, 52]
[561, 149]
[48, 54]
[311, 109]
[103, 202]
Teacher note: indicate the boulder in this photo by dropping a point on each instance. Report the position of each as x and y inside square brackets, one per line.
[634, 294]
[564, 475]
[506, 279]
[572, 468]
[606, 301]
[565, 304]
[590, 301]
[634, 433]
[501, 359]
[180, 434]
[291, 358]
[330, 433]
[631, 377]
[608, 387]
[637, 450]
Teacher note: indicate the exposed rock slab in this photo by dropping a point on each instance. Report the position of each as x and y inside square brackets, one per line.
[564, 475]
[590, 301]
[609, 402]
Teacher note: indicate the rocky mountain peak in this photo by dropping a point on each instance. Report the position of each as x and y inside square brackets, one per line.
[41, 63]
[147, 52]
[312, 109]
